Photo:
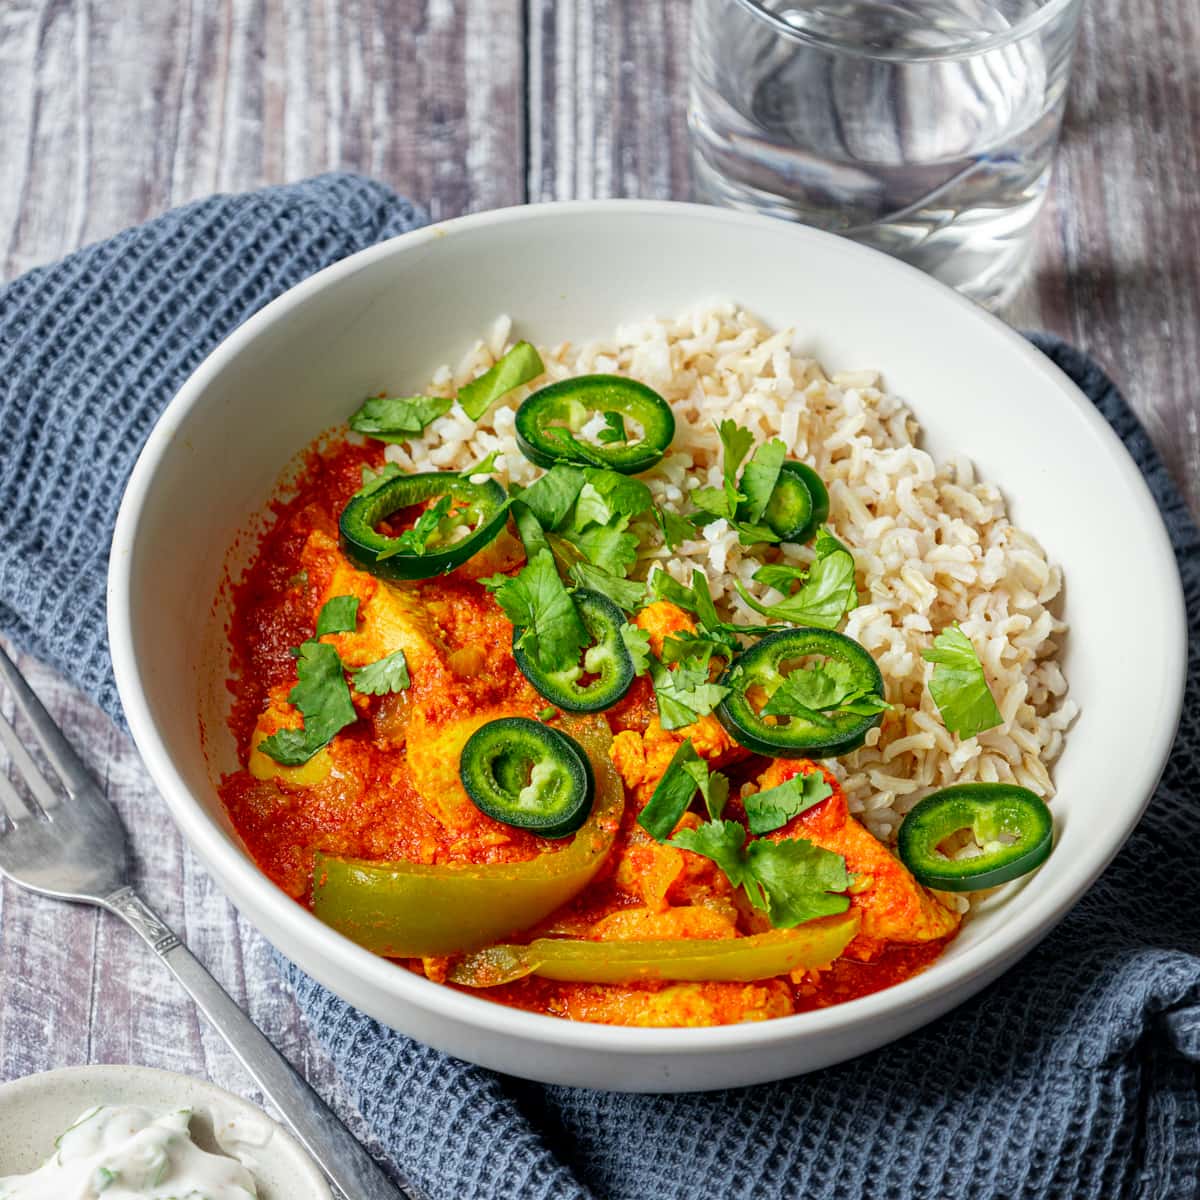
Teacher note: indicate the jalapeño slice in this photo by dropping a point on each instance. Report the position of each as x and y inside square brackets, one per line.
[475, 515]
[548, 423]
[758, 672]
[528, 775]
[1012, 825]
[799, 505]
[606, 659]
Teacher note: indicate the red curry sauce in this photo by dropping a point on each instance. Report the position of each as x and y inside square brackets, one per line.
[372, 808]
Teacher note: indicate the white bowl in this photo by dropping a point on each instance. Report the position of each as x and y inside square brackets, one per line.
[36, 1109]
[387, 316]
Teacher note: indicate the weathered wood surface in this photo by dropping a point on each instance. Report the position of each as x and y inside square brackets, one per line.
[112, 112]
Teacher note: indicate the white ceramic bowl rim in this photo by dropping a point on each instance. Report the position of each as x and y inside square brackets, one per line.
[1071, 878]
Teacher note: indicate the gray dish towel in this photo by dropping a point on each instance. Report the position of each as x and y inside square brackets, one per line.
[1076, 1075]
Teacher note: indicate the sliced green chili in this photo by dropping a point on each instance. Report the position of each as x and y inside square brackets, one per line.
[802, 693]
[473, 514]
[1011, 824]
[548, 423]
[799, 504]
[606, 672]
[528, 775]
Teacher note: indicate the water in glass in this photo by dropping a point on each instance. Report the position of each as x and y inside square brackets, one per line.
[925, 128]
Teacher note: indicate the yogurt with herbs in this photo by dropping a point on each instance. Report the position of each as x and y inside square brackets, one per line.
[129, 1153]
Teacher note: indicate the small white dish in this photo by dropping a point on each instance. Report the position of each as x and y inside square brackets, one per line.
[36, 1109]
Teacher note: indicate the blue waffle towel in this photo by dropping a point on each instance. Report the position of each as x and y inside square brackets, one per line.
[1076, 1075]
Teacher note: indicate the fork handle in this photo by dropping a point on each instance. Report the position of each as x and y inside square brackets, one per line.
[320, 1132]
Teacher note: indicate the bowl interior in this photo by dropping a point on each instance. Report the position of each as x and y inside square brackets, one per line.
[386, 318]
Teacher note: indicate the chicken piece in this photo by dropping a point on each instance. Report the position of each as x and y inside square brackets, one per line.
[279, 714]
[672, 924]
[678, 1004]
[895, 907]
[391, 617]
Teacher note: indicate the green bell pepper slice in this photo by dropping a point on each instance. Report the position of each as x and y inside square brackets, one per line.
[692, 960]
[415, 910]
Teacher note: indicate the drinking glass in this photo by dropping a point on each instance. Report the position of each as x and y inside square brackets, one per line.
[925, 128]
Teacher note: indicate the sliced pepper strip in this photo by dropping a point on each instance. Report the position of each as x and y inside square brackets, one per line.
[760, 956]
[414, 910]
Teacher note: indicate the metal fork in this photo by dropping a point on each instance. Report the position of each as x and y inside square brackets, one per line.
[73, 846]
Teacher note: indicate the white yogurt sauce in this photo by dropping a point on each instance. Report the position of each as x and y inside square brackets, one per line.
[128, 1153]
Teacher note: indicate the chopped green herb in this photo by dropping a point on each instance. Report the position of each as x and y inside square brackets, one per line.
[520, 365]
[552, 497]
[614, 429]
[536, 601]
[416, 539]
[608, 496]
[624, 593]
[686, 774]
[792, 881]
[398, 418]
[388, 674]
[547, 713]
[685, 694]
[485, 466]
[774, 808]
[607, 547]
[735, 445]
[825, 687]
[759, 478]
[637, 642]
[323, 698]
[827, 589]
[339, 614]
[372, 480]
[697, 600]
[675, 529]
[958, 685]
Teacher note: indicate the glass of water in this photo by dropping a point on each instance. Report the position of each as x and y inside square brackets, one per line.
[925, 128]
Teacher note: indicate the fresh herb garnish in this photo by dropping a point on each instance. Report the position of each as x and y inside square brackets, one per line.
[825, 688]
[792, 881]
[684, 694]
[398, 418]
[521, 364]
[614, 429]
[675, 529]
[624, 593]
[536, 601]
[373, 480]
[958, 685]
[416, 539]
[485, 466]
[323, 698]
[827, 589]
[388, 674]
[637, 642]
[686, 774]
[741, 502]
[547, 713]
[774, 808]
[552, 497]
[698, 601]
[339, 614]
[759, 478]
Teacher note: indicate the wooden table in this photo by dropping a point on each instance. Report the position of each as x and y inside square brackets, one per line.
[111, 113]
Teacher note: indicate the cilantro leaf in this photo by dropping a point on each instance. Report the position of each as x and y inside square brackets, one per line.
[792, 880]
[485, 466]
[339, 614]
[614, 429]
[637, 642]
[686, 774]
[958, 685]
[827, 593]
[675, 529]
[735, 445]
[683, 645]
[537, 604]
[323, 698]
[610, 498]
[624, 593]
[799, 880]
[372, 480]
[724, 843]
[552, 497]
[825, 688]
[415, 539]
[521, 364]
[684, 695]
[529, 530]
[775, 807]
[398, 418]
[607, 547]
[759, 478]
[388, 674]
[698, 601]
